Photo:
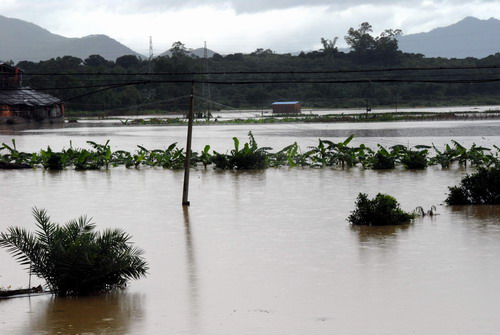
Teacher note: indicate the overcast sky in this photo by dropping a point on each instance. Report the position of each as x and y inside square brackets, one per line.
[239, 25]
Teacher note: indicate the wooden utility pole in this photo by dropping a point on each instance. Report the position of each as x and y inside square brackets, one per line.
[187, 162]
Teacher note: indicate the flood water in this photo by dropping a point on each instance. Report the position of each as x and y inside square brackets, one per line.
[264, 252]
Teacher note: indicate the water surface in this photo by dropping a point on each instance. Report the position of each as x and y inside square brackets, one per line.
[265, 252]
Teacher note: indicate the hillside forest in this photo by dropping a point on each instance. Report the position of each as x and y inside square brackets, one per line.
[375, 73]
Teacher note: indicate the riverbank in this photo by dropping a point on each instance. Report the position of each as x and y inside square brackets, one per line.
[249, 117]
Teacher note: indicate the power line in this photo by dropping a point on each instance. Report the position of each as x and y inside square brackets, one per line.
[276, 81]
[360, 81]
[292, 72]
[295, 77]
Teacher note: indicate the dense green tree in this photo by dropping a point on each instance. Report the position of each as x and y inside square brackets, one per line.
[97, 61]
[260, 52]
[69, 62]
[128, 61]
[360, 40]
[329, 46]
[382, 49]
[178, 49]
[386, 46]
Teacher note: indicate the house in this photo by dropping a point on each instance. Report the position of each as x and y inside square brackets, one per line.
[286, 107]
[21, 103]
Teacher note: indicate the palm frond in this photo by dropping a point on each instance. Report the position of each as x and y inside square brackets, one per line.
[73, 258]
[46, 227]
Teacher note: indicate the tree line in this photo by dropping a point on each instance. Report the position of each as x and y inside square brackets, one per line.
[375, 73]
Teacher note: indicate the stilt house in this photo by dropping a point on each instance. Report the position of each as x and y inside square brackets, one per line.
[21, 103]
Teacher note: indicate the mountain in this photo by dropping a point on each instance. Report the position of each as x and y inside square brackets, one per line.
[21, 40]
[470, 37]
[200, 52]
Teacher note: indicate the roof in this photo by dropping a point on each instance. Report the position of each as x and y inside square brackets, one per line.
[26, 97]
[285, 103]
[6, 68]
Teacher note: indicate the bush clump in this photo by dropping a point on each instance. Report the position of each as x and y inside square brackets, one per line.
[73, 258]
[479, 188]
[382, 210]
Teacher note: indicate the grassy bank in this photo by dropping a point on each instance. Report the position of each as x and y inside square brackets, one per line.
[162, 119]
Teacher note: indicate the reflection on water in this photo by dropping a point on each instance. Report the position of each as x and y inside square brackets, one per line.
[409, 129]
[265, 252]
[485, 214]
[192, 270]
[114, 313]
[379, 234]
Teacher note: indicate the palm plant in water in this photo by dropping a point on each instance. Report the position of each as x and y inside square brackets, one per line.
[73, 258]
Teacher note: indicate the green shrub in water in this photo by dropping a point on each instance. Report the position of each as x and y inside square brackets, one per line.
[479, 188]
[73, 258]
[380, 211]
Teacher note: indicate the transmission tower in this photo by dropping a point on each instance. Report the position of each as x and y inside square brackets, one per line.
[150, 54]
[205, 56]
[150, 65]
[206, 93]
[150, 47]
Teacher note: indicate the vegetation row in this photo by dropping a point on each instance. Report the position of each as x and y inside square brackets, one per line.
[249, 156]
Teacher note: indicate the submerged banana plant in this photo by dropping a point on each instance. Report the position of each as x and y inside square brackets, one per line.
[102, 154]
[15, 156]
[411, 158]
[446, 157]
[251, 156]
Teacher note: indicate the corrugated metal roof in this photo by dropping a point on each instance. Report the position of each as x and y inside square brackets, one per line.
[285, 103]
[26, 97]
[6, 68]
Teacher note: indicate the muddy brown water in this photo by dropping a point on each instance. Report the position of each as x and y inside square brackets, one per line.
[265, 252]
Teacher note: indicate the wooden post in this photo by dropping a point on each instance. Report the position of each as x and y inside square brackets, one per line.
[187, 162]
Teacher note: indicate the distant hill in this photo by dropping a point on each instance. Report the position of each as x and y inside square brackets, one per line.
[21, 40]
[200, 52]
[470, 37]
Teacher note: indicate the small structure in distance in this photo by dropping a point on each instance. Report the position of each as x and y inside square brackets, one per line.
[286, 107]
[20, 103]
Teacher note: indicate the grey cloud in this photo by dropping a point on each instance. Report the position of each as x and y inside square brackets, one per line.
[239, 6]
[247, 6]
[256, 6]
